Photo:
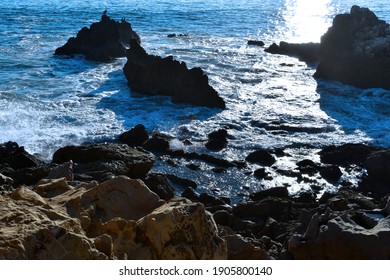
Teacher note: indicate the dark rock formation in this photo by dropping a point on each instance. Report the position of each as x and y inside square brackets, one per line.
[102, 161]
[308, 52]
[137, 136]
[356, 50]
[217, 140]
[255, 43]
[103, 41]
[262, 157]
[346, 154]
[153, 75]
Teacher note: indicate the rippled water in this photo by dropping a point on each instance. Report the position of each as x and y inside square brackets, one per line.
[47, 102]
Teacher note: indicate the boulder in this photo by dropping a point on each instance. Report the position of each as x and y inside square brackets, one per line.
[103, 41]
[98, 159]
[181, 229]
[355, 50]
[154, 75]
[262, 157]
[343, 236]
[137, 136]
[217, 140]
[255, 43]
[346, 154]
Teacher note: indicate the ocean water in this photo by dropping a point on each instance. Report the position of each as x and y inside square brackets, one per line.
[48, 101]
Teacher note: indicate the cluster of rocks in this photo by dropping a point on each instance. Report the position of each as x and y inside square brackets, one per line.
[101, 201]
[355, 50]
[146, 74]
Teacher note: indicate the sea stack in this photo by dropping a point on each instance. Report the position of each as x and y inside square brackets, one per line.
[153, 75]
[103, 41]
[356, 50]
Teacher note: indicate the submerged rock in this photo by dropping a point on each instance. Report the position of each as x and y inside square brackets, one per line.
[103, 41]
[356, 50]
[154, 75]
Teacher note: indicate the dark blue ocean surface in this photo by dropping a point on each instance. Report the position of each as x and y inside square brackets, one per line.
[47, 101]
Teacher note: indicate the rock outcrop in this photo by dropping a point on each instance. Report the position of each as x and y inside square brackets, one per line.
[356, 50]
[104, 161]
[154, 75]
[118, 219]
[103, 41]
[307, 52]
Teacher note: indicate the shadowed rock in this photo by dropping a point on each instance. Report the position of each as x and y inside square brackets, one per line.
[356, 50]
[154, 75]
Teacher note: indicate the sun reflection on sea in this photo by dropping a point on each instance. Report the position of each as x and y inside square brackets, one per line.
[307, 20]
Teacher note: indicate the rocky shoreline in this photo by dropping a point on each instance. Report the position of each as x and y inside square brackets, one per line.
[101, 201]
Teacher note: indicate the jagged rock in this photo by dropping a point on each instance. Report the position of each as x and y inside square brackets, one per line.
[240, 248]
[343, 237]
[103, 41]
[137, 136]
[153, 75]
[355, 50]
[308, 52]
[182, 229]
[64, 170]
[158, 142]
[118, 159]
[160, 184]
[52, 187]
[5, 183]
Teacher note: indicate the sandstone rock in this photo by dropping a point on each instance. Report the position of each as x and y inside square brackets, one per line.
[355, 50]
[153, 75]
[104, 40]
[119, 159]
[123, 198]
[239, 248]
[182, 229]
[50, 188]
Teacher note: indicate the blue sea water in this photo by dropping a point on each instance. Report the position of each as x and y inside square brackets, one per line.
[47, 101]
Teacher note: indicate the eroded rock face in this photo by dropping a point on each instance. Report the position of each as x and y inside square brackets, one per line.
[154, 75]
[182, 229]
[118, 219]
[104, 40]
[356, 50]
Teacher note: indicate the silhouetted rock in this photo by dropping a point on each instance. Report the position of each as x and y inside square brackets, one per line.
[308, 52]
[154, 75]
[255, 43]
[356, 50]
[262, 157]
[217, 140]
[346, 154]
[103, 41]
[331, 173]
[137, 136]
